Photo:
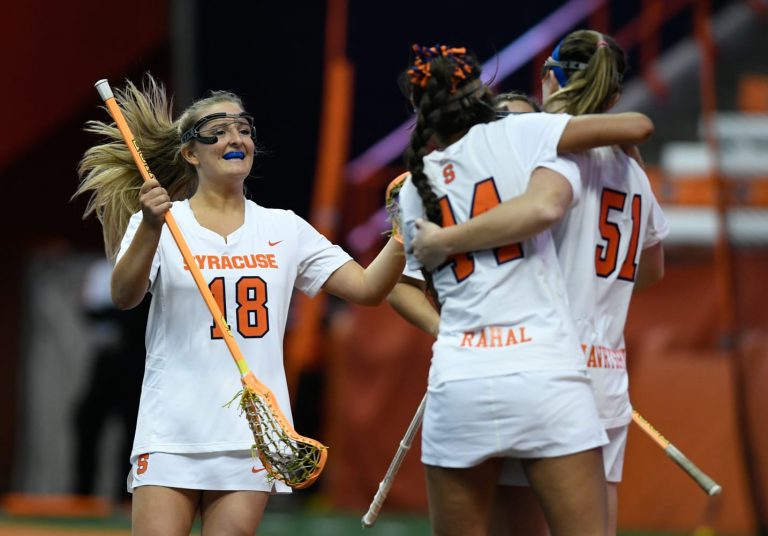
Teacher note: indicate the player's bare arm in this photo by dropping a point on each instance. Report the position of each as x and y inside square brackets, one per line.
[544, 203]
[410, 300]
[585, 132]
[368, 286]
[130, 278]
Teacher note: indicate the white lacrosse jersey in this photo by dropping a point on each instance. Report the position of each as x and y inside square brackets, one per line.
[503, 310]
[599, 243]
[413, 274]
[190, 374]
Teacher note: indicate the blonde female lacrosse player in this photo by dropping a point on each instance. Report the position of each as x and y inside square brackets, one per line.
[599, 245]
[507, 379]
[191, 452]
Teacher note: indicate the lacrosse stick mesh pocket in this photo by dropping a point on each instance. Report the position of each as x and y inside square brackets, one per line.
[295, 460]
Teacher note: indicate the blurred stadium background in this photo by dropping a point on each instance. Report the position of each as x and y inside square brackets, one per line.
[320, 78]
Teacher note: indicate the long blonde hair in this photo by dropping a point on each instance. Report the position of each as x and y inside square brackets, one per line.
[593, 88]
[107, 171]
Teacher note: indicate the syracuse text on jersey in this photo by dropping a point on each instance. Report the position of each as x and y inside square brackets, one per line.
[609, 358]
[234, 262]
[495, 337]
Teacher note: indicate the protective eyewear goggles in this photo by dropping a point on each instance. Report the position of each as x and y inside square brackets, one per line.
[209, 136]
[563, 66]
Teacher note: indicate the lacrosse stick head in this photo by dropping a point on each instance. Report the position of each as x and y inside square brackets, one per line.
[287, 456]
[392, 205]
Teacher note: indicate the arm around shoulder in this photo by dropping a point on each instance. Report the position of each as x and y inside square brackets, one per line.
[544, 203]
[588, 131]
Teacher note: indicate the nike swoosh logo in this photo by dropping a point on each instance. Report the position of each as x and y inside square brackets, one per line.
[271, 244]
[254, 470]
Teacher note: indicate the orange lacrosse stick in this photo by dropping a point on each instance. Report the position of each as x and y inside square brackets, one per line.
[704, 481]
[287, 456]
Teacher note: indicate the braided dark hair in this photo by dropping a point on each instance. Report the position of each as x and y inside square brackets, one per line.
[448, 97]
[445, 89]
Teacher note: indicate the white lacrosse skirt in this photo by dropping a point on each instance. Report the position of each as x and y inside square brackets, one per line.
[214, 471]
[539, 414]
[613, 453]
[513, 474]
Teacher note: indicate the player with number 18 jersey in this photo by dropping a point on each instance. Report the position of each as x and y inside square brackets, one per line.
[251, 274]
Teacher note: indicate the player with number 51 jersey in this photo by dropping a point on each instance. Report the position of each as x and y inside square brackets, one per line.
[599, 245]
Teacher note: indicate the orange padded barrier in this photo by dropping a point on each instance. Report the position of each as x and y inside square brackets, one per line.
[753, 93]
[28, 504]
[378, 375]
[702, 190]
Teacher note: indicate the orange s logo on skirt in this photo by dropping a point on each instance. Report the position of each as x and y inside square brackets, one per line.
[142, 464]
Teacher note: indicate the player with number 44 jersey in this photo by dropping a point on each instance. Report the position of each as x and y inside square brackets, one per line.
[480, 334]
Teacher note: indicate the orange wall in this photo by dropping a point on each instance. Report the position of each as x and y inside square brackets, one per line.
[378, 375]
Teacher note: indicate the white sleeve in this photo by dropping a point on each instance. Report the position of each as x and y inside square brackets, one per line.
[411, 208]
[413, 274]
[658, 227]
[535, 136]
[318, 258]
[130, 232]
[568, 168]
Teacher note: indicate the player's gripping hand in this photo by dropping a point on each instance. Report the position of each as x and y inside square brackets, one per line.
[155, 202]
[392, 204]
[427, 245]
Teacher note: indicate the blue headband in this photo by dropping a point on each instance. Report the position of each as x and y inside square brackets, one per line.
[558, 67]
[562, 79]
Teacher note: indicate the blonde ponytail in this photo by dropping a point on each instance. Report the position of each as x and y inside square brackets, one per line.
[594, 88]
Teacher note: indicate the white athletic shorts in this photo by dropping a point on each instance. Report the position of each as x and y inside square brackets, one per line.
[221, 471]
[539, 414]
[613, 453]
[512, 473]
